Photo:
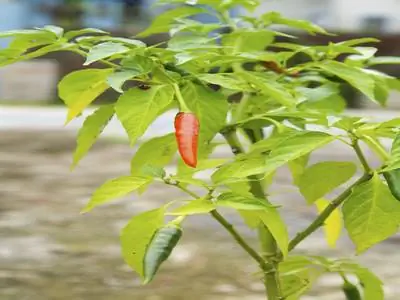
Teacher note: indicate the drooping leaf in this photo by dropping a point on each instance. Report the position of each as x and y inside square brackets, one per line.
[90, 131]
[275, 224]
[194, 207]
[321, 178]
[371, 214]
[80, 88]
[157, 151]
[115, 188]
[136, 236]
[332, 225]
[137, 109]
[289, 149]
[104, 50]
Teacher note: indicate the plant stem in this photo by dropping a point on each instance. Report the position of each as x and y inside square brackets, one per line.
[361, 156]
[229, 227]
[183, 107]
[268, 244]
[238, 238]
[320, 220]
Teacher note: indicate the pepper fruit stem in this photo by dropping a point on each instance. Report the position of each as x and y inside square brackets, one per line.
[182, 104]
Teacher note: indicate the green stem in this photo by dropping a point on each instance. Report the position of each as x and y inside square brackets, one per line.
[228, 226]
[268, 244]
[361, 156]
[376, 147]
[320, 220]
[179, 97]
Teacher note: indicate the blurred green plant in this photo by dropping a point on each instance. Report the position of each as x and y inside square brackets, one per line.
[270, 113]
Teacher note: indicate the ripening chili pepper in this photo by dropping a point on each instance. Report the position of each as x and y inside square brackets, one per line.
[392, 178]
[187, 134]
[351, 291]
[161, 245]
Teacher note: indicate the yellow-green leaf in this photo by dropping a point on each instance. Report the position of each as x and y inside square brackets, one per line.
[115, 188]
[80, 88]
[332, 225]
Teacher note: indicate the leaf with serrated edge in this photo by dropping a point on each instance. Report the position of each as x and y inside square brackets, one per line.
[136, 236]
[115, 188]
[371, 214]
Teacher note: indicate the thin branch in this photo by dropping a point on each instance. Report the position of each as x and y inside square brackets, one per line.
[320, 220]
[361, 156]
[228, 226]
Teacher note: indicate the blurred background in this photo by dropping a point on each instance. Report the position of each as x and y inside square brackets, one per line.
[49, 251]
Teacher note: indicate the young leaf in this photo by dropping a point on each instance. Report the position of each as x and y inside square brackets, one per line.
[384, 60]
[276, 18]
[162, 22]
[90, 131]
[332, 225]
[104, 50]
[136, 236]
[115, 188]
[210, 107]
[194, 207]
[157, 151]
[273, 221]
[242, 202]
[74, 33]
[284, 152]
[371, 214]
[356, 77]
[137, 109]
[116, 80]
[321, 178]
[80, 88]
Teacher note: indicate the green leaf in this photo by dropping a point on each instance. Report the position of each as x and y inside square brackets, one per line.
[242, 202]
[384, 60]
[80, 88]
[137, 109]
[354, 76]
[136, 236]
[115, 188]
[74, 33]
[228, 81]
[394, 159]
[332, 225]
[157, 152]
[163, 22]
[90, 131]
[289, 149]
[321, 178]
[276, 18]
[247, 40]
[323, 98]
[297, 167]
[354, 42]
[104, 50]
[194, 207]
[371, 214]
[152, 171]
[372, 285]
[57, 31]
[117, 79]
[273, 221]
[210, 107]
[270, 88]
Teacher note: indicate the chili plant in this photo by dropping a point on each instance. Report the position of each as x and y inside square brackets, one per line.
[233, 83]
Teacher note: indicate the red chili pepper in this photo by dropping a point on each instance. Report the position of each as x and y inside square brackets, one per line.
[187, 133]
